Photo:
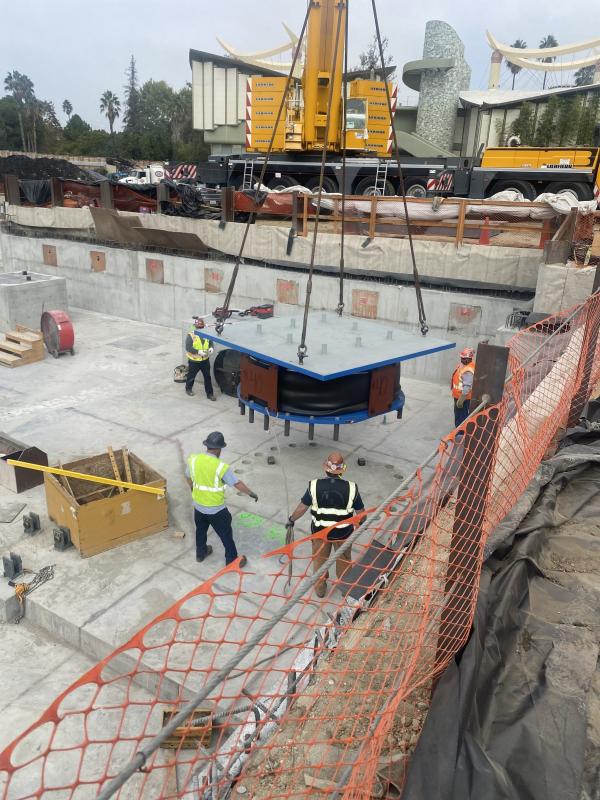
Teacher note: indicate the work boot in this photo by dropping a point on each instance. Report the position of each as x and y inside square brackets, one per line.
[321, 589]
[189, 392]
[210, 397]
[243, 561]
[208, 552]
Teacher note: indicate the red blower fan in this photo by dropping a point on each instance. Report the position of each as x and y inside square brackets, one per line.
[58, 333]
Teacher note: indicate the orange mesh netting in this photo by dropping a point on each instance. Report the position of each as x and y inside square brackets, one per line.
[334, 691]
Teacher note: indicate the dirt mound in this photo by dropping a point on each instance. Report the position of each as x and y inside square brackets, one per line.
[27, 168]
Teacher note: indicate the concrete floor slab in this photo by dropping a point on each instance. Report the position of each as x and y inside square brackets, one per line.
[116, 395]
[35, 668]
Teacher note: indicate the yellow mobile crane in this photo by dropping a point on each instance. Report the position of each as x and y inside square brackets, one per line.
[301, 128]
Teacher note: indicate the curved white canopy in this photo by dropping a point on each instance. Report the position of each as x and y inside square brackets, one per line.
[520, 57]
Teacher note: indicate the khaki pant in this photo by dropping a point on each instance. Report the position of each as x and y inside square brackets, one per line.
[321, 552]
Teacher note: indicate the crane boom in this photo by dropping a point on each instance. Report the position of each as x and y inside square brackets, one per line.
[302, 128]
[323, 24]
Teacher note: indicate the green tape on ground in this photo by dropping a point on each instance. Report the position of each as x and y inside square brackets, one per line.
[249, 520]
[277, 532]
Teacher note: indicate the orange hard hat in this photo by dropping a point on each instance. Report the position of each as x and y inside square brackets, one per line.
[335, 464]
[467, 352]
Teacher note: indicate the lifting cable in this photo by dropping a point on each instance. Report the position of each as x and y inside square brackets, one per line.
[223, 313]
[340, 306]
[302, 349]
[420, 307]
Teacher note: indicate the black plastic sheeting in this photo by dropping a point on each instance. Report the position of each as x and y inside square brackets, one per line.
[35, 191]
[509, 717]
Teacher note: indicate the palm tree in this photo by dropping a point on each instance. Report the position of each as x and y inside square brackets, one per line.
[514, 68]
[21, 88]
[67, 108]
[111, 106]
[548, 41]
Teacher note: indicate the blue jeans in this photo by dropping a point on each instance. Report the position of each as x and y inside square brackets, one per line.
[460, 414]
[221, 524]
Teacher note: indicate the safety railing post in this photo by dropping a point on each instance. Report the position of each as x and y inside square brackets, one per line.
[479, 442]
[588, 352]
[57, 197]
[107, 197]
[460, 225]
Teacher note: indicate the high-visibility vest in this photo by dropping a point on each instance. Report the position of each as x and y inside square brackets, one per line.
[199, 347]
[324, 516]
[457, 380]
[206, 474]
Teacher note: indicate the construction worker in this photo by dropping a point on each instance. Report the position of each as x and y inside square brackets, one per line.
[331, 499]
[198, 350]
[462, 385]
[207, 477]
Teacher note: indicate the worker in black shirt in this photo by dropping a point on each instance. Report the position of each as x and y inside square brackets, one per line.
[331, 500]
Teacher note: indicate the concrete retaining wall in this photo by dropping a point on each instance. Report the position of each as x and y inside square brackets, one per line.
[168, 289]
[474, 264]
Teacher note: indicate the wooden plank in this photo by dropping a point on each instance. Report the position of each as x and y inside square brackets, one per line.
[9, 361]
[126, 464]
[15, 348]
[460, 227]
[115, 469]
[373, 216]
[65, 481]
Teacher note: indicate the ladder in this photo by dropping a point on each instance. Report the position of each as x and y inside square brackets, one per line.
[248, 178]
[381, 178]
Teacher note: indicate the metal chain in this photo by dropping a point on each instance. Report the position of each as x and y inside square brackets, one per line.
[302, 349]
[23, 589]
[420, 307]
[224, 310]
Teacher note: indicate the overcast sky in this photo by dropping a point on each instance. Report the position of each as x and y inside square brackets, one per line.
[76, 49]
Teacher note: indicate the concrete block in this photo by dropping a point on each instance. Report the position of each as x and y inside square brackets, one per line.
[22, 301]
[10, 608]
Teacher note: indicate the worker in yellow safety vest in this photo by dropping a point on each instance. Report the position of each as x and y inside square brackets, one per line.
[207, 477]
[462, 385]
[332, 500]
[198, 351]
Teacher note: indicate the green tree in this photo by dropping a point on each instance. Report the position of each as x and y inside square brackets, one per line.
[370, 58]
[544, 134]
[75, 128]
[110, 106]
[523, 126]
[515, 68]
[10, 132]
[21, 89]
[588, 120]
[548, 41]
[132, 117]
[67, 108]
[585, 75]
[567, 122]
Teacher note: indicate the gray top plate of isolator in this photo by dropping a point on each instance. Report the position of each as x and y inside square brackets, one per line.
[337, 346]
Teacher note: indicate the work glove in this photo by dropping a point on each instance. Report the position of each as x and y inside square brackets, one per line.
[460, 402]
[289, 525]
[254, 496]
[211, 350]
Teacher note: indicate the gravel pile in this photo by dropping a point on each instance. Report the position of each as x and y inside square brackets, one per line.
[27, 168]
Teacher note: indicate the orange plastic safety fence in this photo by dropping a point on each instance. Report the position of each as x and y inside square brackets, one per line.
[332, 698]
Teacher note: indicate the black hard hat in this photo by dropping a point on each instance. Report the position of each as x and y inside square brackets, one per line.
[214, 441]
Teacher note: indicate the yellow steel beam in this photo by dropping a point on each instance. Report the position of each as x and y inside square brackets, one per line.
[83, 477]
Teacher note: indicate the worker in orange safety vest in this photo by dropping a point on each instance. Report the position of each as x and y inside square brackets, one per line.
[462, 385]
